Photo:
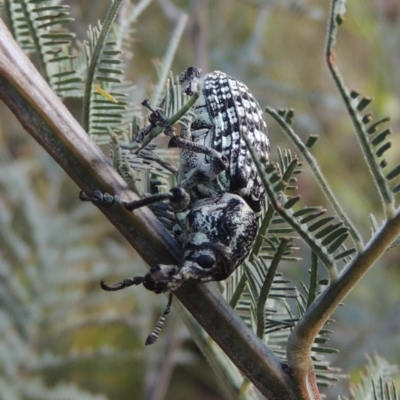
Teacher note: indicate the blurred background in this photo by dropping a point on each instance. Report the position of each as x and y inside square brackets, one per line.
[60, 334]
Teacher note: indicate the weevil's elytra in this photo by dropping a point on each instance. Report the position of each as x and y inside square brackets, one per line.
[219, 195]
[225, 110]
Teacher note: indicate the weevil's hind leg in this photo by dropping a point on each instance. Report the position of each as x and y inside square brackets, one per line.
[203, 172]
[152, 338]
[137, 280]
[178, 142]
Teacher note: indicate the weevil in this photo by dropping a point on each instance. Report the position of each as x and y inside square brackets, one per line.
[219, 195]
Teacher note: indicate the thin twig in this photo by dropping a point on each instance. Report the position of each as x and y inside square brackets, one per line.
[335, 19]
[267, 286]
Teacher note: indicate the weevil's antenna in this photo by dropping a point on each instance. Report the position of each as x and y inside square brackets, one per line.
[156, 331]
[136, 280]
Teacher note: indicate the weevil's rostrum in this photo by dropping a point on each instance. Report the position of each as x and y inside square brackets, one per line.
[219, 194]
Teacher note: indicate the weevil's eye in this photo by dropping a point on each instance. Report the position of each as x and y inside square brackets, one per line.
[205, 261]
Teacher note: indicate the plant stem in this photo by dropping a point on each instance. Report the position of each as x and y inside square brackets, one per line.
[304, 333]
[267, 286]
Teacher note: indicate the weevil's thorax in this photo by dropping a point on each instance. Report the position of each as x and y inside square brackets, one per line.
[224, 112]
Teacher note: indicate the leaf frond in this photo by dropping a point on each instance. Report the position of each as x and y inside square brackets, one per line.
[104, 69]
[371, 137]
[377, 381]
[324, 241]
[285, 119]
[39, 27]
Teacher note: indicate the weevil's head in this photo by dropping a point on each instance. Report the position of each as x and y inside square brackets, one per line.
[162, 278]
[206, 261]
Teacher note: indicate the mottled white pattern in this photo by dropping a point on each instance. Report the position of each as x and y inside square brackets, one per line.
[219, 226]
[233, 111]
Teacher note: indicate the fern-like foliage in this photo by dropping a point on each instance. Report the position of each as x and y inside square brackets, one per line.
[39, 26]
[376, 382]
[41, 303]
[375, 142]
[285, 119]
[105, 103]
[373, 139]
[142, 165]
[104, 76]
[92, 70]
[323, 237]
[266, 298]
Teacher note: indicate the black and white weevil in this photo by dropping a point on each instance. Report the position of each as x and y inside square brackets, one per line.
[219, 195]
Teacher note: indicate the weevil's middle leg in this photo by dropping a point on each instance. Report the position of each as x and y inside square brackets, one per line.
[200, 173]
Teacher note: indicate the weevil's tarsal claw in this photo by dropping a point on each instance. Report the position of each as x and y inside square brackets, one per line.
[157, 118]
[152, 338]
[137, 280]
[96, 198]
[83, 196]
[146, 103]
[99, 198]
